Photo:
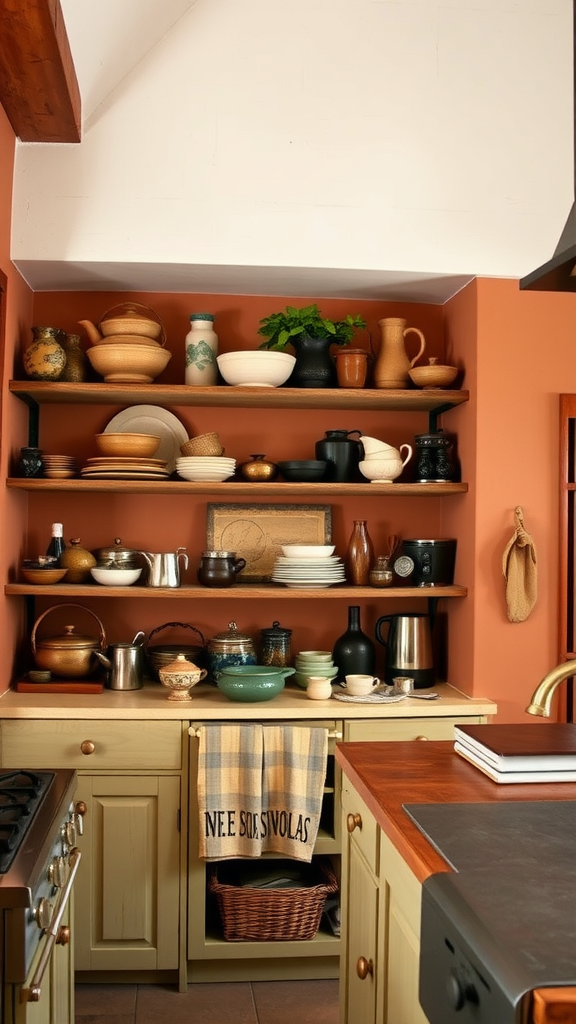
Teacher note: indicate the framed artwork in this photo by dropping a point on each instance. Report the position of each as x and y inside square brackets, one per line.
[257, 533]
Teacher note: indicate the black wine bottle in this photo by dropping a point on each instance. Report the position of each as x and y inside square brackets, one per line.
[354, 652]
[56, 545]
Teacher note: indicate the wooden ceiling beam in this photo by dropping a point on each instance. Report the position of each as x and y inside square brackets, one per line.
[38, 85]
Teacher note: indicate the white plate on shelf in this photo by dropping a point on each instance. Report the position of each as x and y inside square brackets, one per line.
[152, 419]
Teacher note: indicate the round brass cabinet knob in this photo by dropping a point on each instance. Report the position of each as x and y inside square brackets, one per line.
[63, 936]
[353, 821]
[364, 967]
[425, 738]
[87, 747]
[81, 808]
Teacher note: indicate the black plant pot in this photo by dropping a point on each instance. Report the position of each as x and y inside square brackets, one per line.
[314, 367]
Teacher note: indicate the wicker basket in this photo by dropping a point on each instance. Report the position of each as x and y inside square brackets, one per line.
[250, 914]
[203, 444]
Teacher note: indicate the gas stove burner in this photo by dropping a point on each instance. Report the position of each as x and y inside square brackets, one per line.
[21, 793]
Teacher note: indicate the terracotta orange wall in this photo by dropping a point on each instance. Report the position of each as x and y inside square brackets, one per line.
[18, 317]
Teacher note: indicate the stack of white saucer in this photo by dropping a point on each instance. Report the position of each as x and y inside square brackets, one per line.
[205, 467]
[308, 566]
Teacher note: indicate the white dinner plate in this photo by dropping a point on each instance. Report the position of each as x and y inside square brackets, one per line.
[152, 419]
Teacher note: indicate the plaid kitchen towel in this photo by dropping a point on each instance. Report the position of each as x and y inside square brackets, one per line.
[260, 790]
[230, 790]
[292, 788]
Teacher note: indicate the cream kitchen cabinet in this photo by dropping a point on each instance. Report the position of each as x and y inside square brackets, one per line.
[129, 884]
[380, 924]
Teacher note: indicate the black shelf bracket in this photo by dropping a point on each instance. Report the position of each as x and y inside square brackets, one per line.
[33, 418]
[434, 414]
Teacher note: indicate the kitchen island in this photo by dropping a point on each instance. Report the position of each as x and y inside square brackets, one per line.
[142, 900]
[388, 855]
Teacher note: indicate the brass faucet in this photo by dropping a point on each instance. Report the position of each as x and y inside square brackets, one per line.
[541, 701]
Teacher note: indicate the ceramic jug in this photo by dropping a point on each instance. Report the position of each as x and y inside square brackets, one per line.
[393, 362]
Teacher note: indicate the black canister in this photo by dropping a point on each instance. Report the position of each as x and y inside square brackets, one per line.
[342, 456]
[435, 458]
[427, 563]
[30, 462]
[275, 647]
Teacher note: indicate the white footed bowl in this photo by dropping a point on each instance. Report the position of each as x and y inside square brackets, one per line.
[115, 577]
[381, 470]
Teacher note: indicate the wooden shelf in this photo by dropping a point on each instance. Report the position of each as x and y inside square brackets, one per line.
[45, 393]
[241, 488]
[245, 591]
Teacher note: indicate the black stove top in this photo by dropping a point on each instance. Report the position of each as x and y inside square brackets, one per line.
[21, 794]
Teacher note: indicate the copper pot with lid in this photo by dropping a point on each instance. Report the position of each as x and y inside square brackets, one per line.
[69, 654]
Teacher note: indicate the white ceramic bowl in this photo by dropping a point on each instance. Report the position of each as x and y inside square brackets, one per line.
[381, 470]
[384, 456]
[115, 577]
[257, 368]
[371, 445]
[301, 678]
[308, 550]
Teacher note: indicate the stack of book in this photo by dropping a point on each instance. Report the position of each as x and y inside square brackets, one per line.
[520, 753]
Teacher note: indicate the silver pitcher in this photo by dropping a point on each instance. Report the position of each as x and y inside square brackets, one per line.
[124, 664]
[164, 568]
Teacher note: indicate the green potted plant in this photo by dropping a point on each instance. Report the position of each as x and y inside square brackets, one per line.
[310, 334]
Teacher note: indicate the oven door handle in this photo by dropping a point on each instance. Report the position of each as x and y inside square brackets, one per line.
[32, 993]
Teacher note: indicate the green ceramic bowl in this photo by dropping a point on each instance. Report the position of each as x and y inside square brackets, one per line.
[252, 683]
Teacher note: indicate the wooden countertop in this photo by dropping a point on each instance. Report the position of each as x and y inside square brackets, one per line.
[209, 703]
[389, 775]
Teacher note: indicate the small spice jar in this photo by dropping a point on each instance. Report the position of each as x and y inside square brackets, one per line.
[276, 646]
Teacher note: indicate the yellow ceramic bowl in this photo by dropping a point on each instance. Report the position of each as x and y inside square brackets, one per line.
[128, 364]
[131, 446]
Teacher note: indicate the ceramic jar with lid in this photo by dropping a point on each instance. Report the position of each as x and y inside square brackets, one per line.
[435, 458]
[275, 648]
[78, 561]
[229, 648]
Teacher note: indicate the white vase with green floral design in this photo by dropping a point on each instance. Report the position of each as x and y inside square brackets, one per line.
[201, 350]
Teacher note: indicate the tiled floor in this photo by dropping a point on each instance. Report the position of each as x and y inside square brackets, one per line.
[257, 1002]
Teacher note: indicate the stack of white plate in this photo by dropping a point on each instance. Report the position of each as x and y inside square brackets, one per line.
[205, 467]
[117, 467]
[308, 573]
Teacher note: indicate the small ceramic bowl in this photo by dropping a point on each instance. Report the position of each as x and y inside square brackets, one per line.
[43, 577]
[433, 375]
[314, 656]
[383, 471]
[115, 577]
[301, 678]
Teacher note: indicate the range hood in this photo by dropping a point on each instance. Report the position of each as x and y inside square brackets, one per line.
[559, 273]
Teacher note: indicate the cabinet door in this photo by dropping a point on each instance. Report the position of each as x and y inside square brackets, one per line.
[402, 938]
[127, 891]
[362, 940]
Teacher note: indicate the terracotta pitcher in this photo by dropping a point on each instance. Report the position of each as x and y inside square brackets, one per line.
[393, 362]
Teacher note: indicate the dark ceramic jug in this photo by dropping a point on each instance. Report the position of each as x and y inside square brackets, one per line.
[341, 454]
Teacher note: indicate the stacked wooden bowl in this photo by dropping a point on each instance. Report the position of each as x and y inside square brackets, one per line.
[128, 345]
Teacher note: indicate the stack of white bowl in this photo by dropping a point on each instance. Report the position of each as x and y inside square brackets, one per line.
[308, 566]
[315, 664]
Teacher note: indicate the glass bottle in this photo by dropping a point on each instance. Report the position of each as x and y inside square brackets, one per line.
[360, 555]
[201, 348]
[354, 652]
[56, 545]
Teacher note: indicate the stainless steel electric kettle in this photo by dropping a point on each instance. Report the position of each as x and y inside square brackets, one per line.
[408, 647]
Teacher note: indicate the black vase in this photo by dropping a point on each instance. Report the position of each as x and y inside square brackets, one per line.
[314, 367]
[354, 653]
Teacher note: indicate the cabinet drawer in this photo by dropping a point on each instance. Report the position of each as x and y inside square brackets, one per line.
[366, 834]
[118, 745]
[404, 729]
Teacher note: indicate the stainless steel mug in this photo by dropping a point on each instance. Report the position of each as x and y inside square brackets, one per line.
[125, 665]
